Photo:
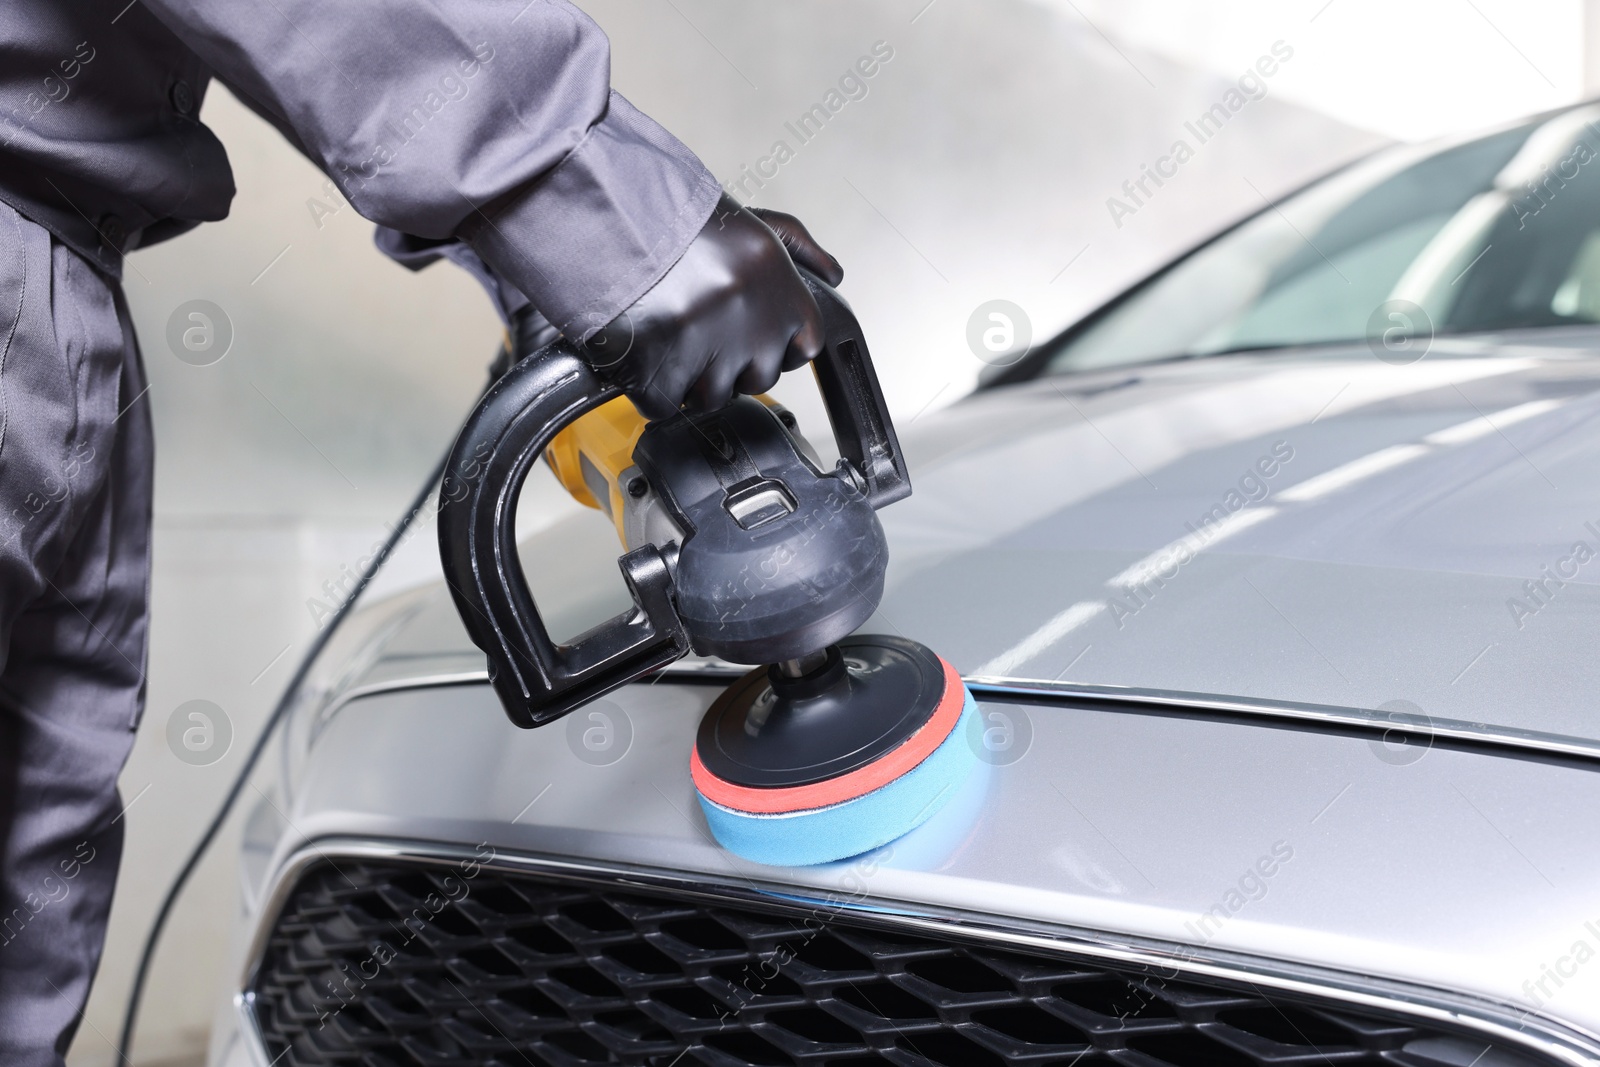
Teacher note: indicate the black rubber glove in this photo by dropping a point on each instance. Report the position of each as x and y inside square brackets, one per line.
[732, 313]
[527, 331]
[800, 245]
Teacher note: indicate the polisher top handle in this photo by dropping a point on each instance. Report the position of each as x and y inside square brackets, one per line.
[854, 401]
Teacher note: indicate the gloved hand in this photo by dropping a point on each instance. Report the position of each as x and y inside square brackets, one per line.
[732, 313]
[527, 331]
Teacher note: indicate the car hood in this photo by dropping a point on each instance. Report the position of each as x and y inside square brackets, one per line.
[1021, 558]
[1316, 527]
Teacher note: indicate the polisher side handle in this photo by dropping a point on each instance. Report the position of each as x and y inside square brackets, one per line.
[854, 401]
[537, 679]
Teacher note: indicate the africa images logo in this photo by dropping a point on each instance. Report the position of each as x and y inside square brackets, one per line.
[1250, 86]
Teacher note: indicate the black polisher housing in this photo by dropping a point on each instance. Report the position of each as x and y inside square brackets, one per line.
[779, 560]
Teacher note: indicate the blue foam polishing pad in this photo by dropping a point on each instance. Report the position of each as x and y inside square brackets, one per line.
[851, 827]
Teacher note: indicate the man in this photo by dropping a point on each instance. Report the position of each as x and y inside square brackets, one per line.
[484, 130]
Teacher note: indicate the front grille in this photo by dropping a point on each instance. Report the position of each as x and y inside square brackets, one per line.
[394, 964]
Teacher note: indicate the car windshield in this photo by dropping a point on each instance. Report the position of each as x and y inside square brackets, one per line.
[1496, 233]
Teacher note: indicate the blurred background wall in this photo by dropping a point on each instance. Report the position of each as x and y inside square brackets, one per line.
[977, 166]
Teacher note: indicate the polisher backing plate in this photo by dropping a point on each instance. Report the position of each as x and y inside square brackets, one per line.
[799, 772]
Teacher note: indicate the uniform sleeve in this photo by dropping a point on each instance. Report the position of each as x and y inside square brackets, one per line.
[492, 121]
[418, 253]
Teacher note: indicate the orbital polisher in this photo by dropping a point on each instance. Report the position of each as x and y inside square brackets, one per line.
[739, 546]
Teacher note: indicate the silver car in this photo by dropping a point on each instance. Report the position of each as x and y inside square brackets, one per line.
[1276, 581]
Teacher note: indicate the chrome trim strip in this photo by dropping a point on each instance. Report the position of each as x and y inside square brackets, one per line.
[1497, 1022]
[1015, 689]
[1423, 726]
[255, 1044]
[687, 669]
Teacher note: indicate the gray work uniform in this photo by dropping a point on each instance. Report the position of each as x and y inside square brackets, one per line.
[488, 122]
